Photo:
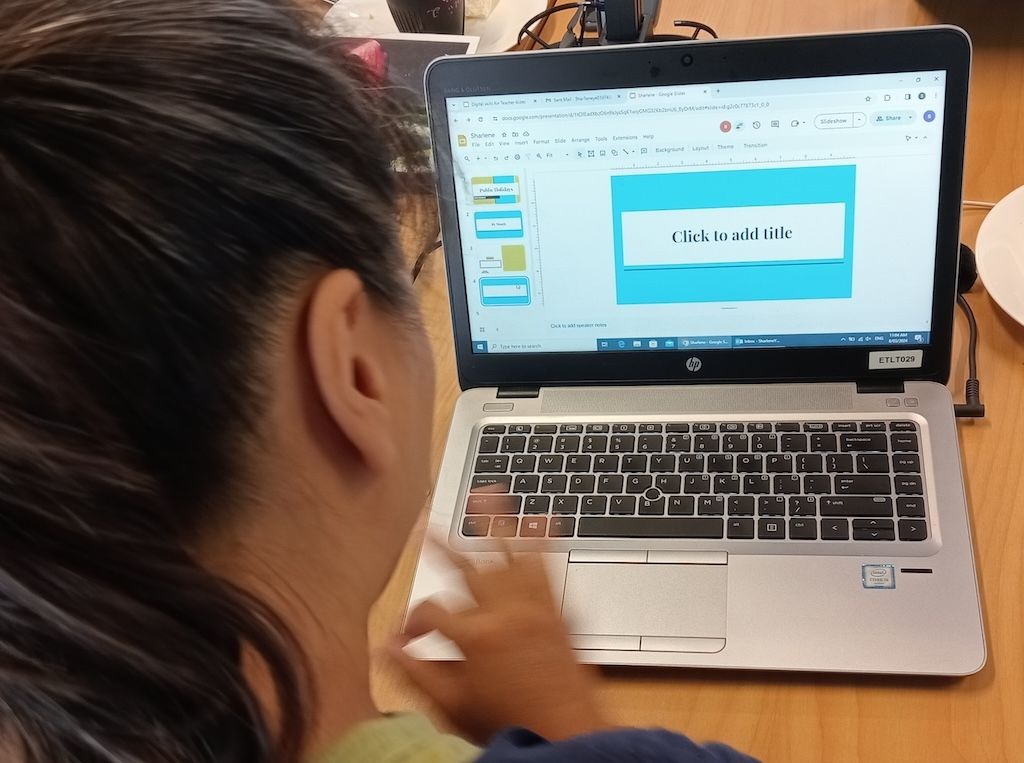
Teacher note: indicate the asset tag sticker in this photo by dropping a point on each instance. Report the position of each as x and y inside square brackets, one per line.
[881, 361]
[878, 576]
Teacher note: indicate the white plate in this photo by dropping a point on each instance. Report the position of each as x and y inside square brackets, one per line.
[1000, 250]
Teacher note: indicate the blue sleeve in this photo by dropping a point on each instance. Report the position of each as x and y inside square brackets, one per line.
[516, 745]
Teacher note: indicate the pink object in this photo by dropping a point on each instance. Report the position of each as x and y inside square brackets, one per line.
[373, 56]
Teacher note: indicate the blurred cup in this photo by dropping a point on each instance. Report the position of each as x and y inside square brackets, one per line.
[429, 16]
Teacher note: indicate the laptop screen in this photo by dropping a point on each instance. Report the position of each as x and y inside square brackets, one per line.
[779, 213]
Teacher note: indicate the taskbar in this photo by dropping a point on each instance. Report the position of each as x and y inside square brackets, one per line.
[886, 339]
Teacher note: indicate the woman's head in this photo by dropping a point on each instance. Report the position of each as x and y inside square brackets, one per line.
[204, 312]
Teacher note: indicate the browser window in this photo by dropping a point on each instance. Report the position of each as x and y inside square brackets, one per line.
[783, 213]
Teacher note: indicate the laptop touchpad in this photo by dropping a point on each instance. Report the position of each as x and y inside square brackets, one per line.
[669, 607]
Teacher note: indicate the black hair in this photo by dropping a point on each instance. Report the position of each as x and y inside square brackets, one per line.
[170, 173]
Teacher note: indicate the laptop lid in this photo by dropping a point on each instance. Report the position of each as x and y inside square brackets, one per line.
[759, 210]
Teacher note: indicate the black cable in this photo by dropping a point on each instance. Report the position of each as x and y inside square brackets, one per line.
[972, 407]
[527, 31]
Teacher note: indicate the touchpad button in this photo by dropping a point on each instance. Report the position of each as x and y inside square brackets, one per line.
[654, 600]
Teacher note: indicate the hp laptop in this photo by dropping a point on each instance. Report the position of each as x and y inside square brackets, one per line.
[702, 298]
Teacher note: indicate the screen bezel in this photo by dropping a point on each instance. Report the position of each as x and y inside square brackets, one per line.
[922, 49]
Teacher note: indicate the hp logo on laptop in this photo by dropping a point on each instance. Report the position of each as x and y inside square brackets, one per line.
[694, 364]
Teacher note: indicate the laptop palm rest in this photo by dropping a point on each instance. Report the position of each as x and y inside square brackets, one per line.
[646, 607]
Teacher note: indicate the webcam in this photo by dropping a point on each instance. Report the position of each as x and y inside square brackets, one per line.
[686, 60]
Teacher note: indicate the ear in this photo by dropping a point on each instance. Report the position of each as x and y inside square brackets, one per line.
[345, 346]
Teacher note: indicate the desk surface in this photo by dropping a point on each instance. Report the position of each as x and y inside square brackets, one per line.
[811, 717]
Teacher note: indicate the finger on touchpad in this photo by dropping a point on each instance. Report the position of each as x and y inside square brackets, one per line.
[653, 600]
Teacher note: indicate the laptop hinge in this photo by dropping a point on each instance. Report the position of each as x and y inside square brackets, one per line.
[881, 388]
[505, 392]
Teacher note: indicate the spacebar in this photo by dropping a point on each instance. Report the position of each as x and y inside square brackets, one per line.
[650, 527]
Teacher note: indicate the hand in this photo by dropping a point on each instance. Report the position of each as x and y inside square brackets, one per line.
[519, 667]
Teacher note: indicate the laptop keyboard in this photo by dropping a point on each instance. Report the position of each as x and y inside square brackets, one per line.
[786, 480]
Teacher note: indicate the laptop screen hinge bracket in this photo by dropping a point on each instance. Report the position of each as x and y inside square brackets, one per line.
[507, 392]
[881, 388]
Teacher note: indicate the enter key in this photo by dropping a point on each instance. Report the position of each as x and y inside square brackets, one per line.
[863, 484]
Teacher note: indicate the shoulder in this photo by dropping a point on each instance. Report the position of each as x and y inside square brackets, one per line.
[399, 739]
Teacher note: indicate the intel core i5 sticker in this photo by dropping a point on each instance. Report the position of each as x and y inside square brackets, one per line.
[878, 576]
[880, 361]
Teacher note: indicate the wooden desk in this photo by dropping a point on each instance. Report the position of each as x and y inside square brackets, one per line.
[792, 717]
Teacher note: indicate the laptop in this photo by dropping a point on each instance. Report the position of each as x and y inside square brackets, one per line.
[702, 298]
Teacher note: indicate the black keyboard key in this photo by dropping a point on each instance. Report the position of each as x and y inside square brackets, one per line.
[741, 505]
[711, 505]
[553, 483]
[536, 504]
[669, 483]
[872, 463]
[735, 443]
[731, 426]
[706, 443]
[493, 504]
[595, 443]
[533, 527]
[759, 426]
[491, 464]
[906, 443]
[484, 483]
[610, 483]
[691, 462]
[873, 529]
[571, 428]
[705, 426]
[489, 444]
[622, 443]
[864, 442]
[839, 463]
[650, 443]
[638, 483]
[913, 529]
[719, 463]
[872, 426]
[844, 426]
[476, 526]
[910, 507]
[581, 483]
[803, 529]
[494, 429]
[726, 484]
[661, 462]
[906, 462]
[802, 506]
[623, 428]
[649, 428]
[778, 463]
[854, 506]
[545, 429]
[755, 484]
[594, 504]
[526, 483]
[902, 426]
[541, 444]
[577, 463]
[740, 529]
[597, 428]
[678, 443]
[519, 429]
[793, 443]
[679, 505]
[909, 484]
[771, 506]
[810, 463]
[787, 426]
[561, 527]
[512, 443]
[823, 443]
[634, 463]
[786, 484]
[564, 504]
[771, 529]
[622, 504]
[816, 426]
[567, 443]
[677, 428]
[551, 463]
[697, 484]
[651, 506]
[817, 484]
[863, 484]
[764, 443]
[835, 529]
[749, 463]
[605, 463]
[651, 527]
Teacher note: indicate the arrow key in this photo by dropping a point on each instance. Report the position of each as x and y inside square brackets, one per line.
[913, 529]
[873, 529]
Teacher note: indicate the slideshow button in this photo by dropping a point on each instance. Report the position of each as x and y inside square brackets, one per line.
[840, 121]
